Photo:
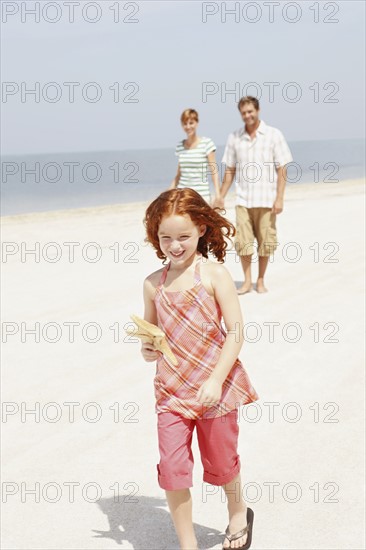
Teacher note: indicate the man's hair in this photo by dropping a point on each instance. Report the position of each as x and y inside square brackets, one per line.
[187, 114]
[249, 99]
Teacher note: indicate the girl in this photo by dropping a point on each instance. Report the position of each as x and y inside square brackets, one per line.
[195, 155]
[187, 300]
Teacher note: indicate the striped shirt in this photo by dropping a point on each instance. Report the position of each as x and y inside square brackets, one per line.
[191, 320]
[193, 166]
[256, 162]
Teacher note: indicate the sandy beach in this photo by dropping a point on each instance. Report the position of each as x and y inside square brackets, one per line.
[79, 446]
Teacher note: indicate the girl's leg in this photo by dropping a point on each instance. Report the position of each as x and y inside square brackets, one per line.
[218, 442]
[175, 470]
[237, 509]
[180, 506]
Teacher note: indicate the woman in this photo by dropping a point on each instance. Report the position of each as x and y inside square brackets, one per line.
[196, 156]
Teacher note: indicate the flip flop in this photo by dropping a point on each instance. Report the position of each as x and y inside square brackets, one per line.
[247, 530]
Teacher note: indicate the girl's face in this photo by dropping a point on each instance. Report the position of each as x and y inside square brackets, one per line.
[190, 126]
[178, 238]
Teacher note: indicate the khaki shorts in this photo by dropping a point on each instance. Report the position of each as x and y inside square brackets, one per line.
[255, 223]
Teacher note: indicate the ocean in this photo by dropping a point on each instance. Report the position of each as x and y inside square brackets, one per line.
[38, 183]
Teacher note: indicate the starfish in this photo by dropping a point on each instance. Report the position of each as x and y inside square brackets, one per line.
[147, 332]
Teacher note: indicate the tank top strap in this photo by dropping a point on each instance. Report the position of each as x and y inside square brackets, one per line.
[197, 276]
[163, 275]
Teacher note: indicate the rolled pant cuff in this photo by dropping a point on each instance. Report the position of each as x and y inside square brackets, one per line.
[264, 251]
[174, 483]
[245, 252]
[222, 480]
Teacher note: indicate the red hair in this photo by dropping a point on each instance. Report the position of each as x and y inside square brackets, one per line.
[187, 201]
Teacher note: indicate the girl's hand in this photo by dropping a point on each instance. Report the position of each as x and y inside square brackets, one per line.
[210, 392]
[149, 353]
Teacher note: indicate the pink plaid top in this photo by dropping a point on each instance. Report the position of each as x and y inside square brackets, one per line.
[191, 320]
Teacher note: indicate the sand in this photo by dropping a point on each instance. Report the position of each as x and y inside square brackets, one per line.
[79, 472]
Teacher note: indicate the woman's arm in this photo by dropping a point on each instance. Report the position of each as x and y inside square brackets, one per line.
[175, 181]
[214, 173]
[226, 296]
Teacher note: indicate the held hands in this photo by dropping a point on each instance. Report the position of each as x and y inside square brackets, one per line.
[210, 392]
[218, 202]
[277, 206]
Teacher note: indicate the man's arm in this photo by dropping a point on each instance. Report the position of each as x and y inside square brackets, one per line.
[226, 184]
[229, 159]
[281, 184]
[227, 180]
[282, 156]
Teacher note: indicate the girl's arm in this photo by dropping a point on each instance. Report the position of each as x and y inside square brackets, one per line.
[175, 181]
[214, 173]
[227, 298]
[148, 351]
[150, 309]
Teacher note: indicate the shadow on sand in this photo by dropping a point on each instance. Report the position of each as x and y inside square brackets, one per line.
[239, 284]
[146, 524]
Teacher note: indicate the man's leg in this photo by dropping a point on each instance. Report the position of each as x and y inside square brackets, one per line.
[246, 263]
[266, 235]
[263, 262]
[244, 245]
[180, 506]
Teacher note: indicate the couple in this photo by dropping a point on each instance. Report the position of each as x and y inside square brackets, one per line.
[257, 155]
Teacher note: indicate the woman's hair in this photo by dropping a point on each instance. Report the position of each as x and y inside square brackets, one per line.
[187, 201]
[187, 114]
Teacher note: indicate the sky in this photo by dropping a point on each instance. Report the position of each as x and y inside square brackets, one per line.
[113, 75]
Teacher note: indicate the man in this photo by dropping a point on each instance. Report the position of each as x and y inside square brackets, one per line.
[257, 154]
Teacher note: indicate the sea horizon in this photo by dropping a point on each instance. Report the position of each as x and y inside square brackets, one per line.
[53, 181]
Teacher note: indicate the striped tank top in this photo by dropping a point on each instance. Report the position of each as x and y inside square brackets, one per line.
[193, 164]
[191, 320]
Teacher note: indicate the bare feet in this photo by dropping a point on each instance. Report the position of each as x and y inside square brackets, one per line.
[236, 524]
[260, 288]
[245, 288]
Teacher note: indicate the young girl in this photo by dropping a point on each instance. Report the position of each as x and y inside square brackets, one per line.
[196, 156]
[187, 299]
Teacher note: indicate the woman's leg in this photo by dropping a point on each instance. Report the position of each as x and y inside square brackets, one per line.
[237, 509]
[180, 506]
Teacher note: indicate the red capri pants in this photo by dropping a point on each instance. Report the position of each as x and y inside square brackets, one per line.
[217, 441]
